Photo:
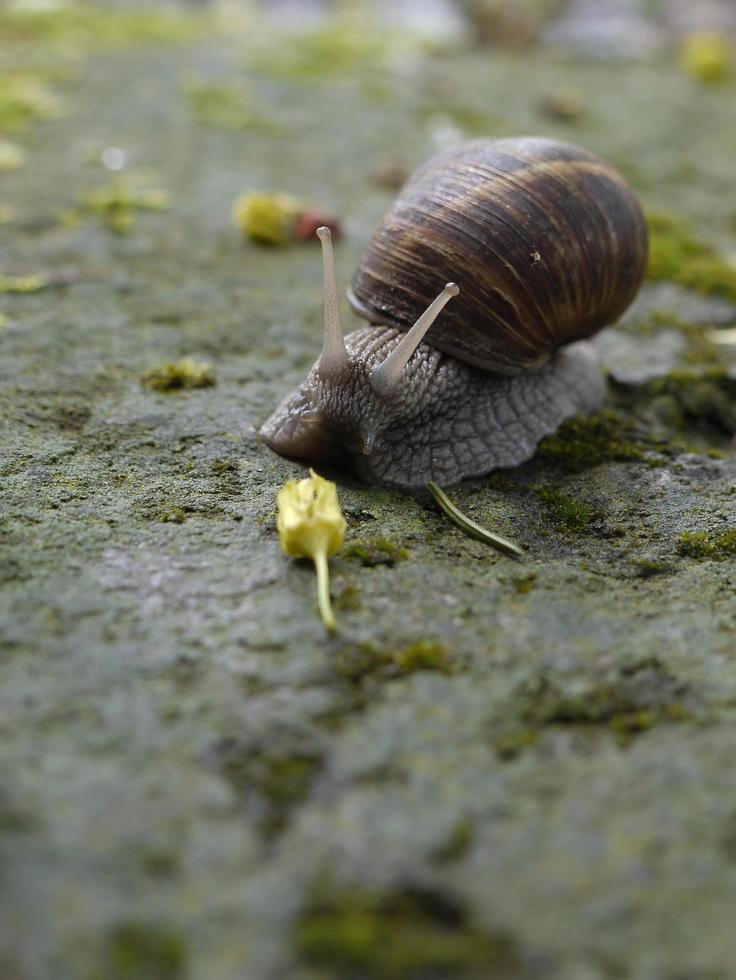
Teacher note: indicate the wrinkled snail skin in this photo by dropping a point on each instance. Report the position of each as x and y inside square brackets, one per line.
[547, 244]
[455, 423]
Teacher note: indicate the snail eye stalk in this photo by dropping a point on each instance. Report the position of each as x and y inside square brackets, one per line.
[386, 376]
[334, 358]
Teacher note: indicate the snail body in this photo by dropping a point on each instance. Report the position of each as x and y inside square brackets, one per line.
[548, 245]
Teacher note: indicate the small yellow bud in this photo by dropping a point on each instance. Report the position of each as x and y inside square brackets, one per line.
[707, 57]
[266, 218]
[310, 525]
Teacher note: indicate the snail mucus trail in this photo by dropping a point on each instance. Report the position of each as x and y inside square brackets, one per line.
[547, 245]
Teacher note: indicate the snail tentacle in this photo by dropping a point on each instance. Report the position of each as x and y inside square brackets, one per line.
[386, 376]
[334, 358]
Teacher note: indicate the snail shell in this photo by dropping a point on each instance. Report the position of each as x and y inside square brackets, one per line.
[547, 244]
[546, 240]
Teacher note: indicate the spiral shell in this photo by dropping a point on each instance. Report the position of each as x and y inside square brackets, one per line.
[546, 241]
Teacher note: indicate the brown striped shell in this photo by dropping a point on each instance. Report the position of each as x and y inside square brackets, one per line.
[546, 241]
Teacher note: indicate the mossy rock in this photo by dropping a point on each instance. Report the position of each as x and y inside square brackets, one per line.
[142, 951]
[409, 934]
[678, 255]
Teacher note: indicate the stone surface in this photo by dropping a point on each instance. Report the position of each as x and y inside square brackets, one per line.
[194, 779]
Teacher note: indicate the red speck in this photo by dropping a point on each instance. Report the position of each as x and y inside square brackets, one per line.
[305, 228]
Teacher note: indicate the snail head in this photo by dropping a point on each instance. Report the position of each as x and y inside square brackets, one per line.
[356, 388]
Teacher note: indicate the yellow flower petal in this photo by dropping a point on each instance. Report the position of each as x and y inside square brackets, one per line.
[309, 519]
[310, 525]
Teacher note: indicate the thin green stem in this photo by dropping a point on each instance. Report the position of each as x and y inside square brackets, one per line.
[469, 526]
[323, 591]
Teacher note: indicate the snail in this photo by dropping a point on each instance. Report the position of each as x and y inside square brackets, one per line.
[547, 244]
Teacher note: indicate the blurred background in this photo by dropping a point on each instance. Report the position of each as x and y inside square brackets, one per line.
[184, 765]
[647, 81]
[125, 128]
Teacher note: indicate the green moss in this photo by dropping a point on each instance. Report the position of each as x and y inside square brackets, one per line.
[118, 203]
[82, 27]
[649, 567]
[524, 583]
[700, 396]
[456, 844]
[375, 551]
[366, 661]
[665, 319]
[358, 662]
[627, 724]
[225, 107]
[678, 255]
[699, 347]
[628, 704]
[22, 285]
[588, 441]
[726, 542]
[175, 375]
[703, 545]
[468, 120]
[511, 744]
[423, 655]
[140, 951]
[25, 97]
[348, 599]
[701, 351]
[55, 36]
[174, 515]
[400, 935]
[336, 50]
[551, 705]
[274, 779]
[500, 481]
[223, 467]
[159, 862]
[12, 157]
[567, 511]
[697, 545]
[14, 816]
[286, 779]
